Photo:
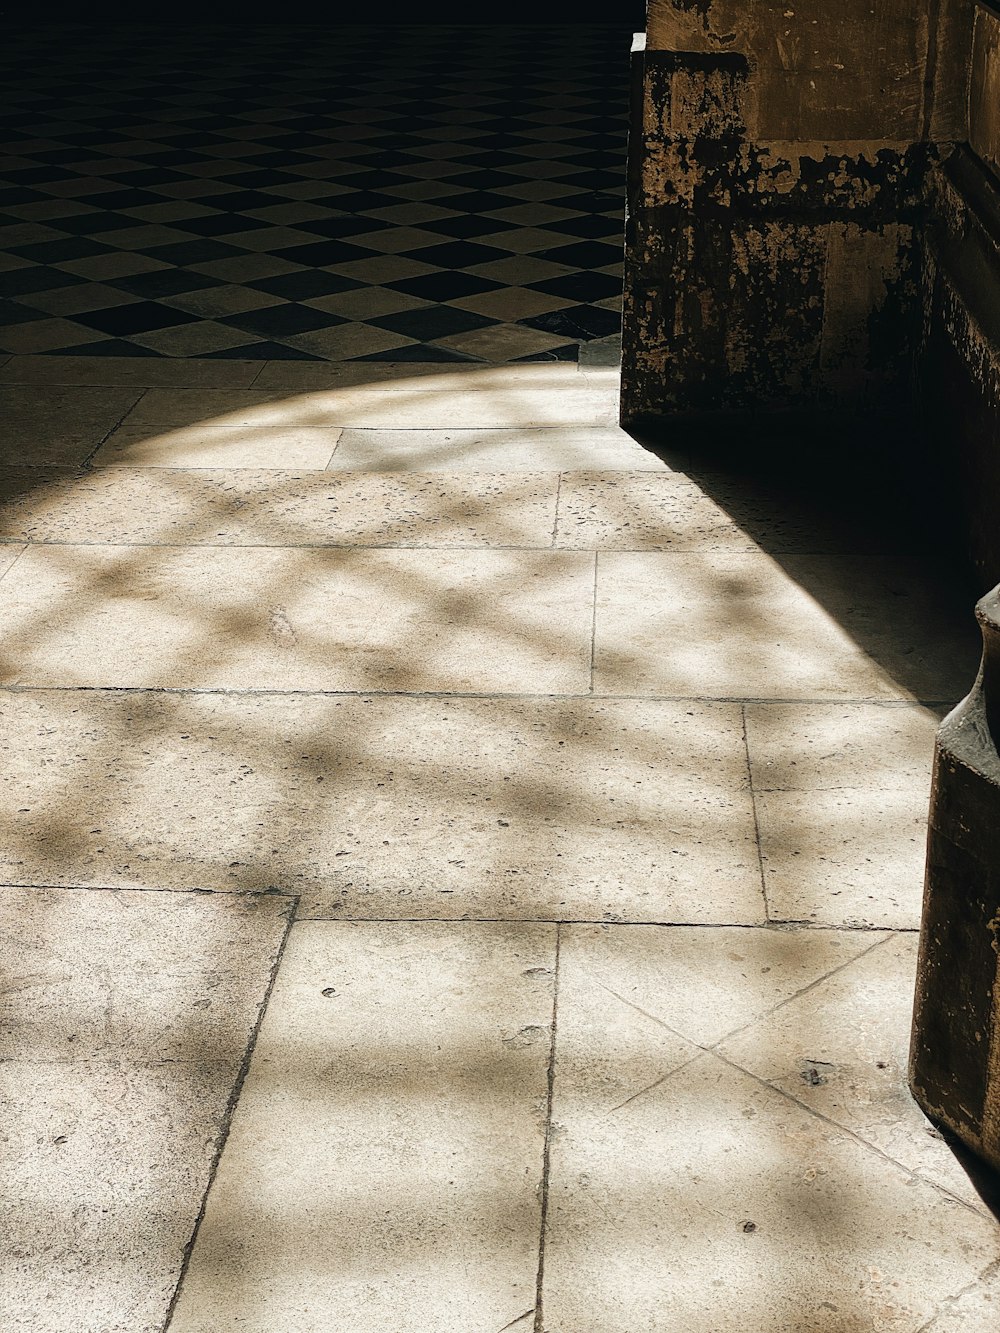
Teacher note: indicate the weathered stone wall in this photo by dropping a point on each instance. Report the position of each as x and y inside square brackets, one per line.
[958, 371]
[776, 196]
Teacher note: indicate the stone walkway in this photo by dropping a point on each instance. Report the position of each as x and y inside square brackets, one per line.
[462, 869]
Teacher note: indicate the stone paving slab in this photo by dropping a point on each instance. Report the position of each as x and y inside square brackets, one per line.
[144, 372]
[489, 400]
[385, 1163]
[50, 425]
[243, 507]
[206, 445]
[746, 625]
[841, 1049]
[659, 510]
[841, 794]
[126, 1020]
[388, 808]
[688, 1193]
[554, 449]
[264, 618]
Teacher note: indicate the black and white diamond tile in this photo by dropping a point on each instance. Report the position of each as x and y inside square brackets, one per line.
[430, 194]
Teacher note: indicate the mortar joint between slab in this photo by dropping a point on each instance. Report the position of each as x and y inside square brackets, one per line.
[538, 1326]
[593, 627]
[756, 820]
[227, 1118]
[333, 452]
[87, 464]
[555, 517]
[943, 1306]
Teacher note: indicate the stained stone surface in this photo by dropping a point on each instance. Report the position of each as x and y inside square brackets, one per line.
[126, 1018]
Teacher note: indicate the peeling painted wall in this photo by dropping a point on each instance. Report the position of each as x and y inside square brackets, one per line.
[779, 157]
[958, 367]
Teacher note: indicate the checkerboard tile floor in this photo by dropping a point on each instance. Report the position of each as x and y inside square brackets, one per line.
[428, 194]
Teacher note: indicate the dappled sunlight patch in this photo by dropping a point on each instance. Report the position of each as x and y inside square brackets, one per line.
[501, 397]
[378, 807]
[218, 445]
[681, 1176]
[125, 1026]
[748, 625]
[267, 618]
[283, 507]
[388, 1151]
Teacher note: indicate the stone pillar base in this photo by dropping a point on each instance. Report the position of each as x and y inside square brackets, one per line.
[955, 1051]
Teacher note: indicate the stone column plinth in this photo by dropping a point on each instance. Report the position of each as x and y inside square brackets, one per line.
[955, 1051]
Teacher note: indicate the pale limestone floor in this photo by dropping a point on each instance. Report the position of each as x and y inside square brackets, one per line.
[462, 870]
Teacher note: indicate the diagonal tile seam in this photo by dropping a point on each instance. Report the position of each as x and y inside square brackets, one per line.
[226, 1121]
[650, 1087]
[24, 546]
[518, 1320]
[849, 1133]
[756, 818]
[538, 1311]
[943, 1307]
[712, 1050]
[709, 1052]
[87, 463]
[711, 1047]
